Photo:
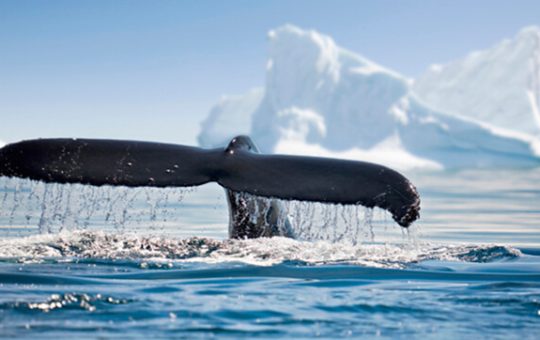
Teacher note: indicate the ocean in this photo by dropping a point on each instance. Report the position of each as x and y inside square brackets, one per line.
[77, 261]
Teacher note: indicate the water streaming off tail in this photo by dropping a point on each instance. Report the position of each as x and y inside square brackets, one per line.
[51, 208]
[330, 222]
[29, 207]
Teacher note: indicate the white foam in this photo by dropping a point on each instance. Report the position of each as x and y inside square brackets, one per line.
[261, 251]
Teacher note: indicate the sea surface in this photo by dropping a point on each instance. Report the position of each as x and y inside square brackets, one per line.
[78, 261]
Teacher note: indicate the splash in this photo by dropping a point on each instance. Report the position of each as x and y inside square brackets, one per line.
[262, 251]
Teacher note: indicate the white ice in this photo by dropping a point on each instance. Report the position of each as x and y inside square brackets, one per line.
[320, 99]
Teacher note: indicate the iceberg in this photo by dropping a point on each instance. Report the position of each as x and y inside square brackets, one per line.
[322, 100]
[499, 86]
[348, 94]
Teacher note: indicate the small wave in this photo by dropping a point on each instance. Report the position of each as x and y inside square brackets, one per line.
[66, 301]
[262, 251]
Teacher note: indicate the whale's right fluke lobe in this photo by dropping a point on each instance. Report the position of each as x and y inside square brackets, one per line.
[322, 180]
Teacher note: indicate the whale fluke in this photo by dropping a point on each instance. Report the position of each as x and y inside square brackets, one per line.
[237, 168]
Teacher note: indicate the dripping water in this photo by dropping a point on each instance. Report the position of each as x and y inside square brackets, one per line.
[314, 221]
[28, 205]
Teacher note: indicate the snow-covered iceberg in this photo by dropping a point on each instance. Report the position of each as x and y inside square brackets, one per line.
[320, 99]
[499, 86]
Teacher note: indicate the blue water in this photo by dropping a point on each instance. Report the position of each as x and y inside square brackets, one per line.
[470, 268]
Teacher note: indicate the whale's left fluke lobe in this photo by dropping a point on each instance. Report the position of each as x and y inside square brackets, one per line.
[237, 168]
[107, 162]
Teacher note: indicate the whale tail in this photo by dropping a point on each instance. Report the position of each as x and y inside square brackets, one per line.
[239, 168]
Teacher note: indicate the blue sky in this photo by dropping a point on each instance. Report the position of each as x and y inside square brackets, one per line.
[151, 70]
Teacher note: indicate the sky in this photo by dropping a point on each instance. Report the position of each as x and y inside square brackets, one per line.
[151, 70]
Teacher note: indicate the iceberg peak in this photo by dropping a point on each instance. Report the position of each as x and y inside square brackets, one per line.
[529, 31]
[499, 86]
